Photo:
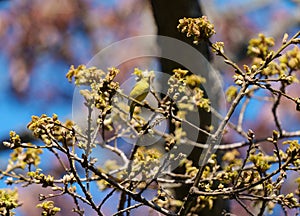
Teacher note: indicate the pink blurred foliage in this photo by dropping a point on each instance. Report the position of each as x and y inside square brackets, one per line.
[31, 29]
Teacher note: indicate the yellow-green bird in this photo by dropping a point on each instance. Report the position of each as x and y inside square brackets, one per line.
[139, 92]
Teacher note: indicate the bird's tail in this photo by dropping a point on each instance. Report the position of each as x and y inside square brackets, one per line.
[131, 109]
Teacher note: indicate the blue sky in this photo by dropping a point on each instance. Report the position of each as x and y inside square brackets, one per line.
[16, 113]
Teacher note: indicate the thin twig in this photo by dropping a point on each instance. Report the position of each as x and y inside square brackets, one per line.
[106, 198]
[128, 209]
[242, 114]
[244, 206]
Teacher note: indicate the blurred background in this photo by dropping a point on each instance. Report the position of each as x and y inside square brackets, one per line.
[39, 40]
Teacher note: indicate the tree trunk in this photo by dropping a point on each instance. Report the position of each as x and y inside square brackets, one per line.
[166, 14]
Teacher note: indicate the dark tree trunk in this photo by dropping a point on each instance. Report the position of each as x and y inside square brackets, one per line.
[166, 14]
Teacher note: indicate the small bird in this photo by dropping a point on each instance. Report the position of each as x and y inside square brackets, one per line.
[139, 92]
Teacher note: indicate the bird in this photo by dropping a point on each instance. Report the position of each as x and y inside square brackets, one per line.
[139, 92]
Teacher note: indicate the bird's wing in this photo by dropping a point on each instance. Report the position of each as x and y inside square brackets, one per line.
[140, 90]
